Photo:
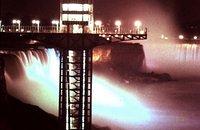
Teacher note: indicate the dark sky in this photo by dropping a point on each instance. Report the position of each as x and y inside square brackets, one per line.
[185, 11]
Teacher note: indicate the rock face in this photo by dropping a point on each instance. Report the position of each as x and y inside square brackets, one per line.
[148, 78]
[128, 58]
[125, 61]
[123, 57]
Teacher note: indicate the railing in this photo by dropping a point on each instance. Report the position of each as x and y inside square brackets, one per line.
[115, 30]
[30, 29]
[54, 29]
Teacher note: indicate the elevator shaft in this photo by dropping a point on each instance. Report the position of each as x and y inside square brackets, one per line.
[75, 91]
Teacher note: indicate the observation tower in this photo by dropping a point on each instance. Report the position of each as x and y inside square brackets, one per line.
[74, 40]
[76, 16]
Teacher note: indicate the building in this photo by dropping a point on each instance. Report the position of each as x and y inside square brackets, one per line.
[76, 16]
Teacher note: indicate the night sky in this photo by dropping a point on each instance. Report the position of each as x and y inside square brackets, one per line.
[185, 11]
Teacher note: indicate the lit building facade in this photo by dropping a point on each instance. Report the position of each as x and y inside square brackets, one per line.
[76, 16]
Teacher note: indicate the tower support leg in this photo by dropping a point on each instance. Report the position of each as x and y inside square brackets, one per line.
[75, 92]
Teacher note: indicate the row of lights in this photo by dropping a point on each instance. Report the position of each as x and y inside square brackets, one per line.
[98, 24]
[181, 37]
[118, 23]
[34, 22]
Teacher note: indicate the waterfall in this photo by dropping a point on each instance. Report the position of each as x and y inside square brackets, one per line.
[179, 60]
[36, 82]
[32, 76]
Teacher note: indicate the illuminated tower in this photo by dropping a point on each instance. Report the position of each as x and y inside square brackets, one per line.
[76, 15]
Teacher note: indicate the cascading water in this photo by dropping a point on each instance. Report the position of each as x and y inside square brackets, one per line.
[179, 60]
[35, 79]
[39, 80]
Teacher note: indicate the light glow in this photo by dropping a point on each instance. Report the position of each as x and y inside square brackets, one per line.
[77, 28]
[195, 37]
[118, 23]
[16, 21]
[101, 55]
[36, 22]
[98, 23]
[75, 17]
[55, 22]
[138, 23]
[181, 37]
[117, 105]
[76, 7]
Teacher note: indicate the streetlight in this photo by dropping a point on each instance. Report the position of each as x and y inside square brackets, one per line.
[18, 22]
[98, 24]
[118, 23]
[195, 37]
[36, 22]
[138, 24]
[181, 37]
[55, 22]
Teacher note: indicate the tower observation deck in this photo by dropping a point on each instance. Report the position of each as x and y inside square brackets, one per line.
[76, 15]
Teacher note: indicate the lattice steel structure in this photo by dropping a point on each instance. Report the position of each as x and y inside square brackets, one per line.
[75, 99]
